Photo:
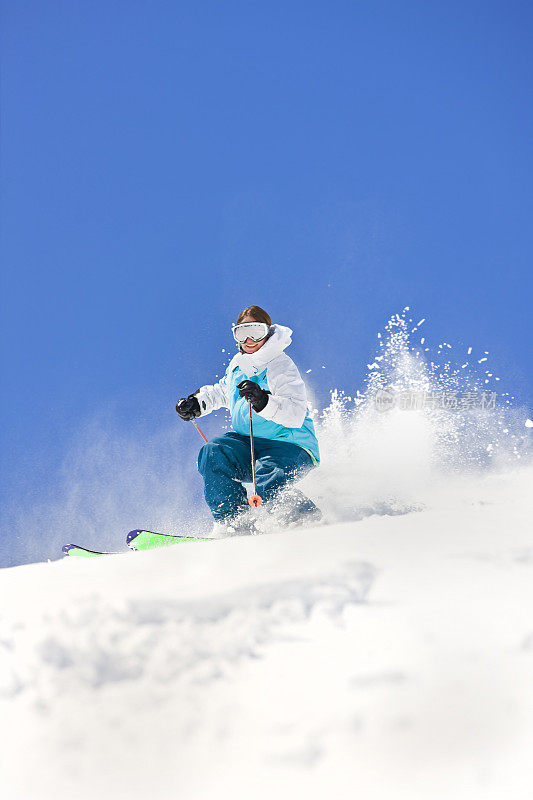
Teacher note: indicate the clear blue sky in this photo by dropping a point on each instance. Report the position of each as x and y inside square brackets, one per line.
[166, 163]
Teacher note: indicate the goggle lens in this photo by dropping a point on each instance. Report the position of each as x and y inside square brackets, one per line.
[250, 330]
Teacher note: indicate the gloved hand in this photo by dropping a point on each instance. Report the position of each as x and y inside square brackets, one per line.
[254, 394]
[188, 407]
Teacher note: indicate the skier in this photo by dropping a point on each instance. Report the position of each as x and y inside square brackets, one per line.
[286, 447]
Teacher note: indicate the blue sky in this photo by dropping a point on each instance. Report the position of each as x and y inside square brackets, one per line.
[166, 163]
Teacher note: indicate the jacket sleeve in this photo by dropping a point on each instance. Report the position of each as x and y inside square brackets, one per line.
[213, 396]
[287, 404]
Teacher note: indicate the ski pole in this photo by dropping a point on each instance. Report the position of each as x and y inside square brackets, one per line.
[254, 500]
[204, 437]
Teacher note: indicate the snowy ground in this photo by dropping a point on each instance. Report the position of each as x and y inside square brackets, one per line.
[385, 654]
[389, 656]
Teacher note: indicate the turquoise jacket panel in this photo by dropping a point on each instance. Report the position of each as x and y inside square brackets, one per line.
[304, 436]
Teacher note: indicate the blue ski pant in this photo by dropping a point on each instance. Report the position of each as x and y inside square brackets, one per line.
[225, 464]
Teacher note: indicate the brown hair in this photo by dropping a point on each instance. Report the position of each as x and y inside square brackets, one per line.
[259, 314]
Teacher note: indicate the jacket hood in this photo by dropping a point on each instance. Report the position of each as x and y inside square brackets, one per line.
[254, 363]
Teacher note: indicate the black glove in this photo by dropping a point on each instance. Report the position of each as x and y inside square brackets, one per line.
[254, 394]
[188, 407]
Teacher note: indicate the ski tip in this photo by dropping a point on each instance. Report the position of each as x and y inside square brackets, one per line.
[132, 535]
[67, 548]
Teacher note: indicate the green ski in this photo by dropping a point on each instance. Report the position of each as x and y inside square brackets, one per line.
[136, 540]
[76, 550]
[148, 540]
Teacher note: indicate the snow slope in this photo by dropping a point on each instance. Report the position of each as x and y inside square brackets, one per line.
[390, 657]
[385, 654]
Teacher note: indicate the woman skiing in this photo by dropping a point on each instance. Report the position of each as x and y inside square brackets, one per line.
[285, 444]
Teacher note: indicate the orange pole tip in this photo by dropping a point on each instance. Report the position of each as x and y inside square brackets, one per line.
[255, 500]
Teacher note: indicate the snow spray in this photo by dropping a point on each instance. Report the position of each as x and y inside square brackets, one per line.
[421, 424]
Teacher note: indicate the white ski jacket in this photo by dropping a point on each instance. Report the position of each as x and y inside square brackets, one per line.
[287, 404]
[286, 415]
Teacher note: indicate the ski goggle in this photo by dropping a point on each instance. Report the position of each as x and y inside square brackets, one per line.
[250, 330]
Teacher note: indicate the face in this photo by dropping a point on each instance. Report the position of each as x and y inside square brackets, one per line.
[249, 345]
